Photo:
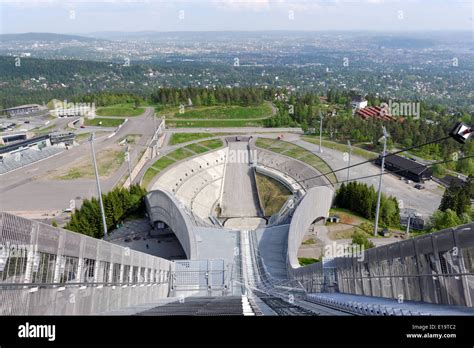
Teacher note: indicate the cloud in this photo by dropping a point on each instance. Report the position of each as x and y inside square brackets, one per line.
[253, 5]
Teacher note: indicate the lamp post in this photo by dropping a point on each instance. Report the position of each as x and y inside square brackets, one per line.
[349, 163]
[91, 139]
[385, 136]
[127, 158]
[320, 131]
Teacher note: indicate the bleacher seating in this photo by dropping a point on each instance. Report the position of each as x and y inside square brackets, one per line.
[196, 182]
[301, 172]
[22, 158]
[380, 306]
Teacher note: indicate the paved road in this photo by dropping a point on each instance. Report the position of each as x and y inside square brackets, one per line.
[26, 190]
[239, 197]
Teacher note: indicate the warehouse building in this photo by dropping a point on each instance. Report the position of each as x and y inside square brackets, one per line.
[407, 168]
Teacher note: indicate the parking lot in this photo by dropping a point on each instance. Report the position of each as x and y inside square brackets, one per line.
[425, 201]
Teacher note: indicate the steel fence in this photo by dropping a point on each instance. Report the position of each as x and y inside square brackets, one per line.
[46, 270]
[435, 268]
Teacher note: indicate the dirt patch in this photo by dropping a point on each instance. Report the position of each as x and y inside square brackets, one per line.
[108, 161]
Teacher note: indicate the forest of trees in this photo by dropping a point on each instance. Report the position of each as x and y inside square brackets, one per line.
[202, 96]
[339, 125]
[362, 200]
[306, 109]
[455, 208]
[119, 204]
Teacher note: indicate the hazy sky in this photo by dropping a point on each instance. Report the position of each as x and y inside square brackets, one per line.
[84, 16]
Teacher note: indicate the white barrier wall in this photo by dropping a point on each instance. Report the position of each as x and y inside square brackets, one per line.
[315, 205]
[163, 206]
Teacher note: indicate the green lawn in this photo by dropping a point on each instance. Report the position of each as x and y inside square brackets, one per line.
[265, 143]
[162, 163]
[212, 144]
[178, 138]
[272, 193]
[197, 148]
[341, 147]
[226, 112]
[180, 154]
[295, 151]
[320, 165]
[105, 122]
[120, 110]
[148, 177]
[307, 260]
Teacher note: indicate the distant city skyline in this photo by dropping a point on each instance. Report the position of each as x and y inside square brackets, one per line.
[84, 16]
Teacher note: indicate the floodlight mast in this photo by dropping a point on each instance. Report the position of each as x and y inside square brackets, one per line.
[320, 132]
[385, 136]
[349, 163]
[104, 223]
[128, 159]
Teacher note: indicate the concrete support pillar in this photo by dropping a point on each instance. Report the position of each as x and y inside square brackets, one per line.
[111, 272]
[59, 259]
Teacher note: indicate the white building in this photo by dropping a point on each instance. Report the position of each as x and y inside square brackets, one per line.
[358, 102]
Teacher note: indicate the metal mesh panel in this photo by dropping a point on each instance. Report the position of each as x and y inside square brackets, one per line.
[436, 268]
[47, 270]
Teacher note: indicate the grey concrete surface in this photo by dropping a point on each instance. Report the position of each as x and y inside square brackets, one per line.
[139, 235]
[424, 201]
[272, 247]
[314, 206]
[245, 223]
[164, 207]
[239, 197]
[27, 189]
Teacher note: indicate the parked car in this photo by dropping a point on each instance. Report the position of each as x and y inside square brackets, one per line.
[419, 187]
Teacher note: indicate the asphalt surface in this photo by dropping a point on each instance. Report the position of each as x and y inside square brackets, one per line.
[239, 197]
[424, 201]
[26, 189]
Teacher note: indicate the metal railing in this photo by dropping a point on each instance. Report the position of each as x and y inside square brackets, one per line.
[434, 268]
[46, 270]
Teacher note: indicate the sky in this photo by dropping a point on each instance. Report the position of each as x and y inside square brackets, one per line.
[86, 16]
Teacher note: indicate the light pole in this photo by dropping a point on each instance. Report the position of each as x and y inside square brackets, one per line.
[385, 136]
[127, 158]
[411, 214]
[91, 139]
[408, 225]
[154, 126]
[320, 132]
[349, 164]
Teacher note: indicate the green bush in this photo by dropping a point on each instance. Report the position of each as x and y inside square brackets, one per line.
[361, 239]
[362, 199]
[119, 204]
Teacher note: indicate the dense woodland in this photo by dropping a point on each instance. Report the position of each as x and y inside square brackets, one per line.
[306, 110]
[362, 200]
[455, 208]
[107, 84]
[119, 205]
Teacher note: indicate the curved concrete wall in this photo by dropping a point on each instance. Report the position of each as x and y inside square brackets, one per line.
[162, 206]
[315, 204]
[289, 182]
